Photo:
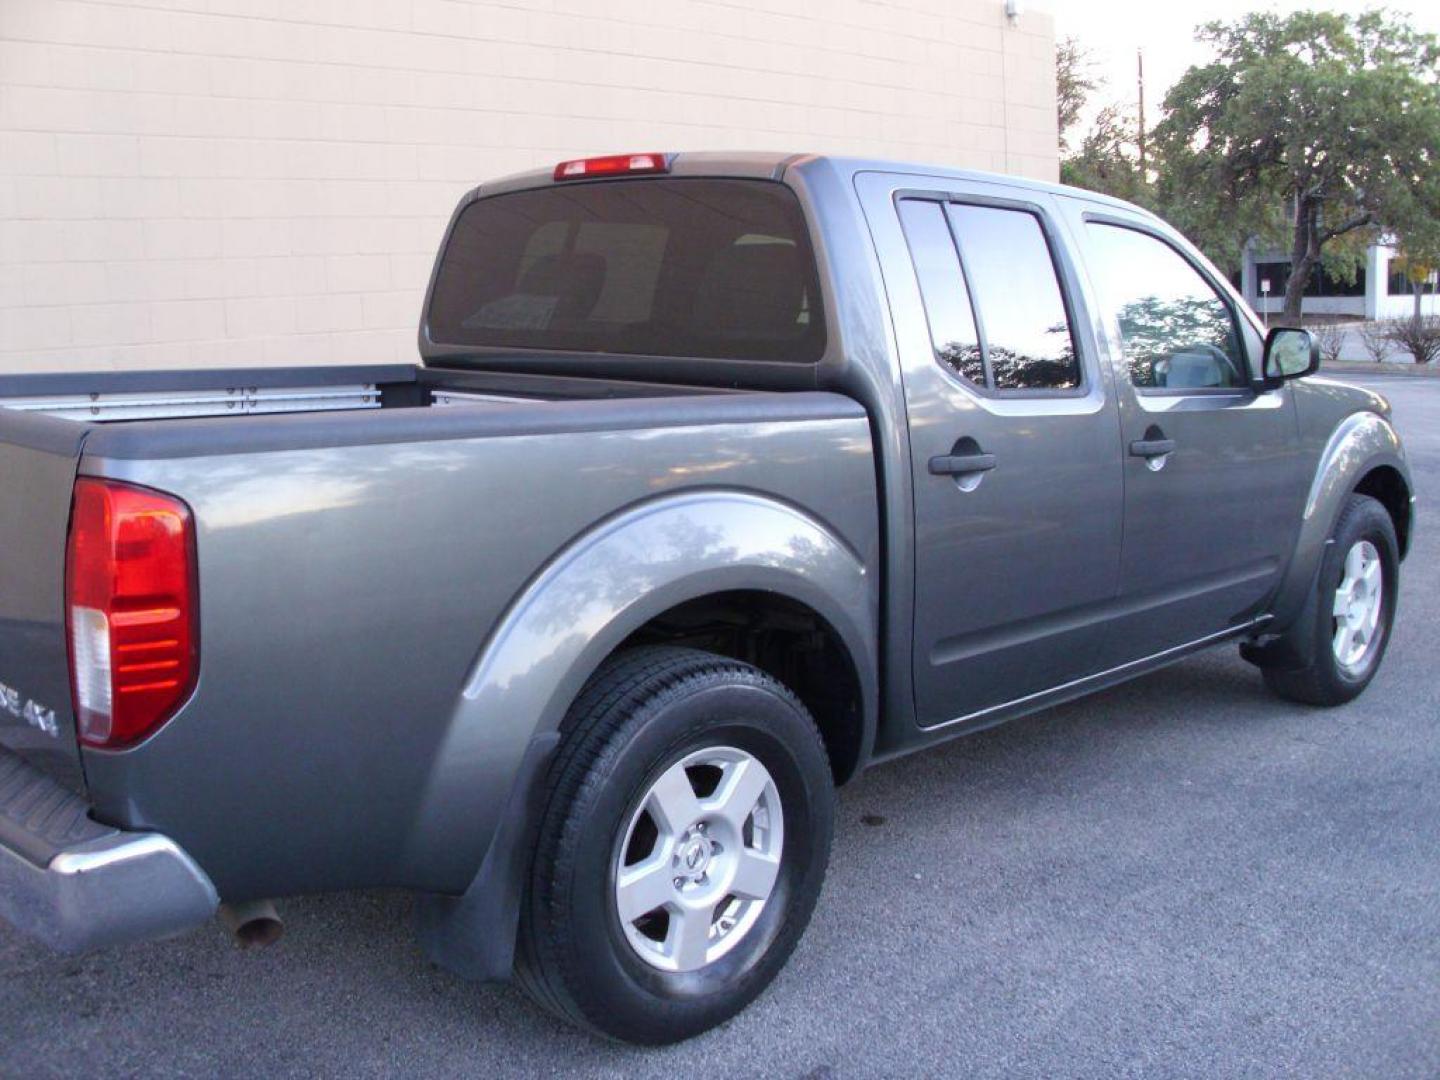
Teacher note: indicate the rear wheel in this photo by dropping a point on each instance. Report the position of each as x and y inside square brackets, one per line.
[1354, 610]
[682, 849]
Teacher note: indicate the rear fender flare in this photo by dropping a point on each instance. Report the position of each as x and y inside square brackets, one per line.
[575, 612]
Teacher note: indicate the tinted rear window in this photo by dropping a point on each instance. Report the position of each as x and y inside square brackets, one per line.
[658, 267]
[1028, 342]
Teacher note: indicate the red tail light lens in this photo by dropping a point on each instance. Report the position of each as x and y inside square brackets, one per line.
[612, 165]
[131, 609]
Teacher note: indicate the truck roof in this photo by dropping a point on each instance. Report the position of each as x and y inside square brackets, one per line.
[771, 164]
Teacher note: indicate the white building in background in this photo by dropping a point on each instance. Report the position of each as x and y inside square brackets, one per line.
[1380, 290]
[241, 182]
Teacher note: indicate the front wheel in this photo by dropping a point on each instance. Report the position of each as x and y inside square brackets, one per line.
[1354, 610]
[682, 849]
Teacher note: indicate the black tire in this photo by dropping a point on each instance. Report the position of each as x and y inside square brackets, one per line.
[1323, 680]
[641, 713]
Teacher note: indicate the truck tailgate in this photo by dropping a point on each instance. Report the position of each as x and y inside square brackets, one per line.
[38, 458]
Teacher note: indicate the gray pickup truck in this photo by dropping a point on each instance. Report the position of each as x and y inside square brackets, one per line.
[723, 477]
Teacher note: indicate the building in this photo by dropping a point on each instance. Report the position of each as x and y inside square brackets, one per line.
[241, 182]
[1380, 290]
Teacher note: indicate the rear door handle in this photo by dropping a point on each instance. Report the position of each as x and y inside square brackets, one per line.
[1152, 448]
[961, 464]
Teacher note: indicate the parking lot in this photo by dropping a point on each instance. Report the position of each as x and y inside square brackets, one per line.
[1183, 876]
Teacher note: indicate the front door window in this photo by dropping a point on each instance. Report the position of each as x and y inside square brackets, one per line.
[1177, 332]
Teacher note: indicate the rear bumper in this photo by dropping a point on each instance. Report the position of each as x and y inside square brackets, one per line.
[77, 885]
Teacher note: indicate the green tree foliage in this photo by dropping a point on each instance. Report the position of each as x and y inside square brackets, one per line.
[1419, 258]
[1106, 159]
[1314, 130]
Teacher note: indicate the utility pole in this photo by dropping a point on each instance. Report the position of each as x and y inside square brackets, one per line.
[1140, 84]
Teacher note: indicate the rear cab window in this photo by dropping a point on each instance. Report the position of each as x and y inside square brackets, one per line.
[693, 267]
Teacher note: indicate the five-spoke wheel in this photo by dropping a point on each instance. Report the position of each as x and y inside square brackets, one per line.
[1334, 648]
[682, 847]
[700, 858]
[1359, 600]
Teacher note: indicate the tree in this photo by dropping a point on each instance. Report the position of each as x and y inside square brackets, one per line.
[1313, 129]
[1418, 270]
[1104, 160]
[1074, 83]
[1419, 258]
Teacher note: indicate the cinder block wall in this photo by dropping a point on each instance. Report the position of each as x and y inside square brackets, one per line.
[238, 182]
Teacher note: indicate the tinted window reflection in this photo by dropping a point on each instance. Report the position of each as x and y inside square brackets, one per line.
[1022, 314]
[942, 287]
[1176, 330]
[670, 266]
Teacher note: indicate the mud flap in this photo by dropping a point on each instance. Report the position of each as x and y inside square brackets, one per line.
[1294, 647]
[473, 934]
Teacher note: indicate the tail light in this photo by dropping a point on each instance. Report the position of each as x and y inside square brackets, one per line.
[131, 608]
[612, 165]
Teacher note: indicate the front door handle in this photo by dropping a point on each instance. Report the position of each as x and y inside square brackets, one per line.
[961, 464]
[1152, 448]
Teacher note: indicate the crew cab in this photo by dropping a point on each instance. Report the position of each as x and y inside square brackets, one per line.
[721, 478]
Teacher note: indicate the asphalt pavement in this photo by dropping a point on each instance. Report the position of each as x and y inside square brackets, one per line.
[1179, 877]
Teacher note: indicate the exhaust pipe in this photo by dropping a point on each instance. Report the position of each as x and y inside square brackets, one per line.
[254, 923]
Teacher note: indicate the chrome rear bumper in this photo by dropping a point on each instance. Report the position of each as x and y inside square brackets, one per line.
[78, 885]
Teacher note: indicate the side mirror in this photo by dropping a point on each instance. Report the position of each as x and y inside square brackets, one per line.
[1290, 353]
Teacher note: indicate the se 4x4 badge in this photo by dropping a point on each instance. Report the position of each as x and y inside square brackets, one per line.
[32, 712]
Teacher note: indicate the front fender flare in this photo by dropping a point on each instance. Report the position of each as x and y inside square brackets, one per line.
[1361, 442]
[584, 603]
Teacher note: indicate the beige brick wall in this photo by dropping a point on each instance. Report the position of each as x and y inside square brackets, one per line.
[187, 182]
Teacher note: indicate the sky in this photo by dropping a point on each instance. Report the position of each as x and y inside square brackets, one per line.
[1112, 31]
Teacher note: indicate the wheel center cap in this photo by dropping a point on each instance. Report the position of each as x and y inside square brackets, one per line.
[693, 857]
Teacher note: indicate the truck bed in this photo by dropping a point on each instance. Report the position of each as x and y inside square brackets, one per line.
[352, 560]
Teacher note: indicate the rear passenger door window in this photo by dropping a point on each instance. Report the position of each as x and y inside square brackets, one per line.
[1026, 330]
[953, 335]
[992, 295]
